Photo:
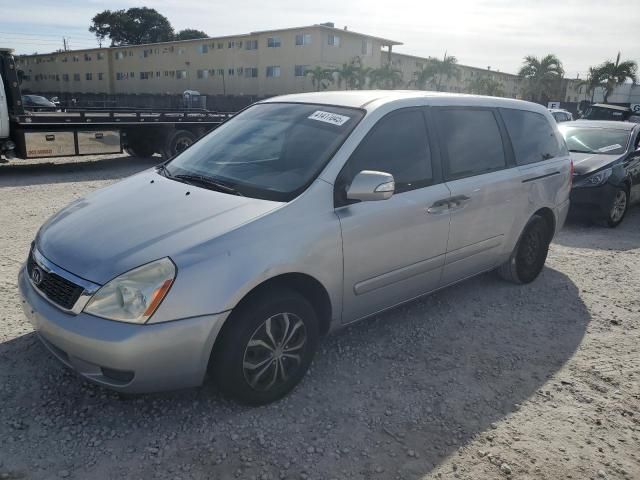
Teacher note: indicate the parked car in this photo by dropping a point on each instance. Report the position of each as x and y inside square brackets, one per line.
[604, 111]
[302, 214]
[37, 103]
[606, 159]
[560, 115]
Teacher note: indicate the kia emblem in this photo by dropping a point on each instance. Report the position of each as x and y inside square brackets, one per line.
[36, 275]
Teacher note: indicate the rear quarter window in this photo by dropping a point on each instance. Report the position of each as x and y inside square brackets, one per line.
[533, 138]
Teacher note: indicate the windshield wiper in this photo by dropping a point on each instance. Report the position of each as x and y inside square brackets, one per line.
[582, 151]
[163, 170]
[208, 182]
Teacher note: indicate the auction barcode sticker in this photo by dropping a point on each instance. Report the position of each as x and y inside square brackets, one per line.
[328, 117]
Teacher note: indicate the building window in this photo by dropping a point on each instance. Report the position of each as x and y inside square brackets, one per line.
[273, 71]
[221, 71]
[76, 58]
[180, 51]
[158, 74]
[239, 44]
[231, 72]
[204, 48]
[366, 47]
[76, 77]
[273, 42]
[300, 70]
[65, 77]
[146, 75]
[100, 56]
[87, 57]
[250, 72]
[303, 39]
[333, 40]
[147, 52]
[88, 76]
[220, 45]
[64, 60]
[180, 74]
[119, 55]
[231, 44]
[100, 76]
[251, 45]
[202, 74]
[212, 72]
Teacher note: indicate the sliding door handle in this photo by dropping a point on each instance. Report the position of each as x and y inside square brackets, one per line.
[458, 202]
[440, 206]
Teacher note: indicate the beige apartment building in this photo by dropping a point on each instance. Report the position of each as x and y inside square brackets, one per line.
[258, 63]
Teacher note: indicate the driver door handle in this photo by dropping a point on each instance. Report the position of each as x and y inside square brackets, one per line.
[439, 206]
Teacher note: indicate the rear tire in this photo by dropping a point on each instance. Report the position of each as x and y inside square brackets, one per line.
[528, 257]
[177, 142]
[266, 347]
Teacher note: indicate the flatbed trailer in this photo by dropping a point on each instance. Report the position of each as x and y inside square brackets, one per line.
[140, 132]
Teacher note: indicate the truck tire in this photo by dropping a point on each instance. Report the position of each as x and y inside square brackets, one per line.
[177, 142]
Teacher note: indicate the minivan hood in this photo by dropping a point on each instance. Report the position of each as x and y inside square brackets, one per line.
[584, 163]
[138, 220]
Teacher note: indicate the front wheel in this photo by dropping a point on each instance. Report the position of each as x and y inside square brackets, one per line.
[266, 347]
[528, 258]
[618, 208]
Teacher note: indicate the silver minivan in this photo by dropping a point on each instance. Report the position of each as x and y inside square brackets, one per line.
[301, 214]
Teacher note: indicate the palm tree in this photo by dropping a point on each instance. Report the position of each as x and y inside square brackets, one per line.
[613, 74]
[348, 73]
[321, 77]
[362, 75]
[424, 75]
[481, 85]
[444, 69]
[541, 75]
[592, 82]
[386, 77]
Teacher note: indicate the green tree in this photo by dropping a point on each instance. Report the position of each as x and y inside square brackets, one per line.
[444, 69]
[611, 74]
[321, 77]
[541, 76]
[347, 73]
[590, 83]
[131, 27]
[483, 85]
[190, 34]
[386, 77]
[424, 76]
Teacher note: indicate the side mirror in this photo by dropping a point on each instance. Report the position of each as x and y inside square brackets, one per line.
[370, 186]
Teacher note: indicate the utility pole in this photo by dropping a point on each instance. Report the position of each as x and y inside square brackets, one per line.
[64, 44]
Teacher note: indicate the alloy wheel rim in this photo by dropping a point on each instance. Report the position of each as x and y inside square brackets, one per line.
[619, 206]
[274, 351]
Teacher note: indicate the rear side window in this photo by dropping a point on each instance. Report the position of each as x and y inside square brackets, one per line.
[471, 141]
[397, 145]
[532, 137]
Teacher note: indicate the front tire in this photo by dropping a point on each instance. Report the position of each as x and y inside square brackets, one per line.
[618, 208]
[528, 258]
[266, 347]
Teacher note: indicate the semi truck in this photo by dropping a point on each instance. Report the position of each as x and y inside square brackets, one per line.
[27, 134]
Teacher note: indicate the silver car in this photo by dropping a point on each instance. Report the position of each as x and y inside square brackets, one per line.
[300, 215]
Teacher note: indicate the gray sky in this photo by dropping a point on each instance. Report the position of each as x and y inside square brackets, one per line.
[481, 33]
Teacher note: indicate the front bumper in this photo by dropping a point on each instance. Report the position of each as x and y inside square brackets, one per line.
[595, 201]
[125, 357]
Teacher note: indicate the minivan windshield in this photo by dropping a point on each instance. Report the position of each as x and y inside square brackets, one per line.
[595, 140]
[271, 151]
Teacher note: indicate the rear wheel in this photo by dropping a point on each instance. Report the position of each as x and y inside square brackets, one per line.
[618, 208]
[177, 142]
[266, 347]
[528, 258]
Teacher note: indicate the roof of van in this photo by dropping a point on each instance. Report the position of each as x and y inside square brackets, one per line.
[363, 98]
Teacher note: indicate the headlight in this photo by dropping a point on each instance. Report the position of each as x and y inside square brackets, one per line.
[596, 179]
[135, 295]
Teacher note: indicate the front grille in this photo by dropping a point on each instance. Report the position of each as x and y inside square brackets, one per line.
[59, 290]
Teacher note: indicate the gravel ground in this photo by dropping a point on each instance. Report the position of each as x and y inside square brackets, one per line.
[483, 380]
